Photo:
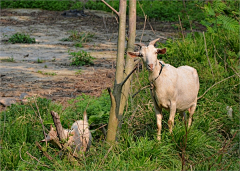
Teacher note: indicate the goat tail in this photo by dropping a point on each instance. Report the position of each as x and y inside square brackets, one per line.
[85, 116]
[85, 113]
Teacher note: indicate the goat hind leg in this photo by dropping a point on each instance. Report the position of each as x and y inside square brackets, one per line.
[183, 115]
[171, 117]
[191, 112]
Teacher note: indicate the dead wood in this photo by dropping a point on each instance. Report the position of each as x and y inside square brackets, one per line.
[58, 125]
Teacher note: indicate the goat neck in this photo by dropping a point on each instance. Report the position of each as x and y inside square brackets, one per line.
[154, 75]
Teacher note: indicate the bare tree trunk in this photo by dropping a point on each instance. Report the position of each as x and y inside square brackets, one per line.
[129, 61]
[122, 84]
[116, 96]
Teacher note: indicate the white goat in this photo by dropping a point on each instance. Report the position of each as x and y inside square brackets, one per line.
[79, 136]
[174, 89]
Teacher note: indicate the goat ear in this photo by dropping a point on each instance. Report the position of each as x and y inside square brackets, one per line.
[134, 54]
[161, 51]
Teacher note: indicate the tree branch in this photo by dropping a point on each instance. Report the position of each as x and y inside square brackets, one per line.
[215, 85]
[128, 76]
[110, 7]
[140, 90]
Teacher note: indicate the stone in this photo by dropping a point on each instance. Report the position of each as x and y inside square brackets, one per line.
[5, 101]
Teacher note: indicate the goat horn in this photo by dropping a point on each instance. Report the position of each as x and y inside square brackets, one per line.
[154, 41]
[140, 44]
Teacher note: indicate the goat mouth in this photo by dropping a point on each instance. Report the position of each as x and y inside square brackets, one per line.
[150, 69]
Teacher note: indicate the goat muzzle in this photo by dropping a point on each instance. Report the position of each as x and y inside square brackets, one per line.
[150, 67]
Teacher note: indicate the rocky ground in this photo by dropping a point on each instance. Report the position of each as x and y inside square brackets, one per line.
[44, 68]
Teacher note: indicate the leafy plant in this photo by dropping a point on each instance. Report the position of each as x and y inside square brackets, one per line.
[81, 58]
[21, 38]
[219, 15]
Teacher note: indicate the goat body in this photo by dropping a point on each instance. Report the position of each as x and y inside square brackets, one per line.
[79, 136]
[174, 89]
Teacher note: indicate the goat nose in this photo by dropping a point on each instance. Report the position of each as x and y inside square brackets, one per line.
[150, 66]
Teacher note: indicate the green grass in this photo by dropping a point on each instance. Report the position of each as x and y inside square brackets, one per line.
[212, 142]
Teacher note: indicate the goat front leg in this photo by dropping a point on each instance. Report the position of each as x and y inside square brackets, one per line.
[172, 115]
[159, 116]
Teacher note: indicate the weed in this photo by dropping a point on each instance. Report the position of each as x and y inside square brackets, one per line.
[45, 66]
[79, 37]
[21, 38]
[54, 59]
[78, 45]
[46, 73]
[65, 39]
[78, 72]
[10, 59]
[81, 58]
[40, 72]
[40, 60]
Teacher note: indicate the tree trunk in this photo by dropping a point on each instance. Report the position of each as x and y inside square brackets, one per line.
[116, 96]
[129, 61]
[121, 88]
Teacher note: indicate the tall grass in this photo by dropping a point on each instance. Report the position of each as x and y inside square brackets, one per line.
[212, 143]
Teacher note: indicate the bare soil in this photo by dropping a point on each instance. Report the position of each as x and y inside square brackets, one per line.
[44, 68]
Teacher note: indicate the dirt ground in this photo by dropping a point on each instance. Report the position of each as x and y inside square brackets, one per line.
[25, 74]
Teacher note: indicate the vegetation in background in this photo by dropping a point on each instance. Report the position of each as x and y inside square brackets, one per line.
[79, 37]
[160, 10]
[220, 14]
[46, 73]
[81, 58]
[21, 38]
[9, 59]
[212, 142]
